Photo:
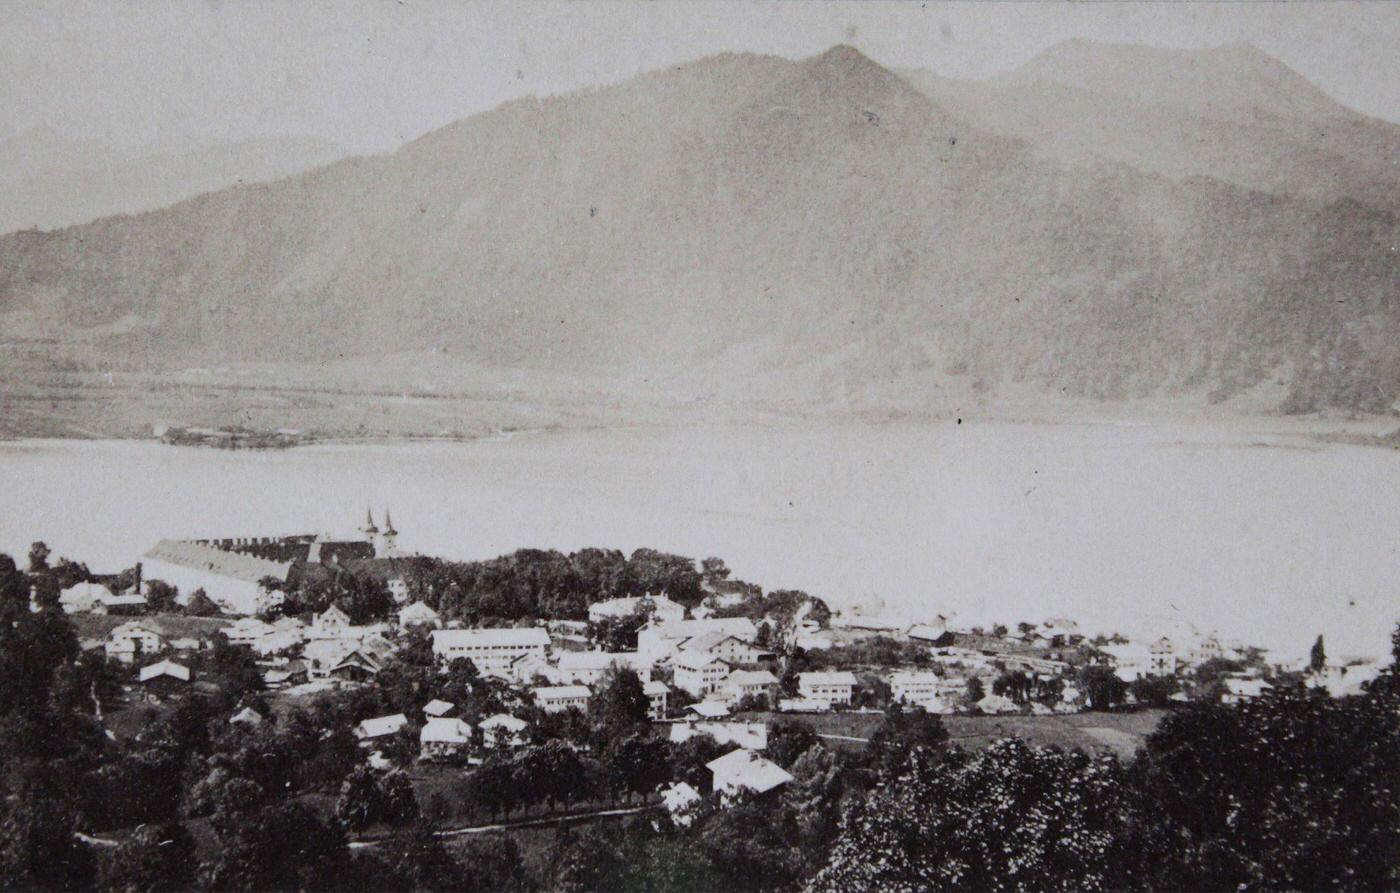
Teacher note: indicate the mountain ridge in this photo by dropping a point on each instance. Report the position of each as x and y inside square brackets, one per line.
[895, 240]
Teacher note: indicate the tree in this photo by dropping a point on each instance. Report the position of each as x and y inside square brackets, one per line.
[900, 736]
[286, 846]
[201, 605]
[788, 739]
[38, 849]
[39, 558]
[1101, 686]
[618, 705]
[361, 803]
[154, 859]
[812, 797]
[161, 596]
[1014, 816]
[1155, 691]
[1317, 658]
[1014, 684]
[975, 692]
[636, 764]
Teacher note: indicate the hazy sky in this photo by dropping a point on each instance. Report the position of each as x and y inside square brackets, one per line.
[370, 74]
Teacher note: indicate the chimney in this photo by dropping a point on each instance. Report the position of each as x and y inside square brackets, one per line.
[137, 590]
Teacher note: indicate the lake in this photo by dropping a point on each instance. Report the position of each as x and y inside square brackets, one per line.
[1268, 537]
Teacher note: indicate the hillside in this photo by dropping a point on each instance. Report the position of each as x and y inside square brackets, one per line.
[50, 181]
[753, 230]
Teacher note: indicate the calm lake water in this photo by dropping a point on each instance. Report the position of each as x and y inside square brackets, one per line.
[1268, 538]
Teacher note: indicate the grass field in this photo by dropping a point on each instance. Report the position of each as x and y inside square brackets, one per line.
[1120, 732]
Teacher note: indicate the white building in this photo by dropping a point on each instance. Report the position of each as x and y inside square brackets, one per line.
[1163, 658]
[232, 580]
[557, 698]
[657, 641]
[1131, 661]
[659, 607]
[380, 726]
[740, 684]
[589, 667]
[94, 598]
[835, 688]
[331, 623]
[1238, 690]
[129, 641]
[916, 689]
[726, 647]
[503, 730]
[744, 770]
[247, 630]
[698, 673]
[658, 693]
[748, 735]
[442, 736]
[437, 707]
[491, 650]
[419, 614]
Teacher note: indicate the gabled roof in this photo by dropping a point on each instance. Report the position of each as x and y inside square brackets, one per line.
[740, 627]
[417, 611]
[504, 721]
[655, 687]
[750, 677]
[133, 627]
[744, 768]
[380, 726]
[445, 730]
[561, 692]
[709, 709]
[165, 668]
[695, 660]
[910, 677]
[217, 561]
[437, 707]
[333, 613]
[247, 716]
[837, 678]
[528, 636]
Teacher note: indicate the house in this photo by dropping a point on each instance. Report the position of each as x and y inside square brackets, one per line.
[293, 673]
[160, 680]
[708, 709]
[936, 635]
[916, 689]
[994, 704]
[246, 717]
[233, 580]
[277, 642]
[804, 705]
[331, 623]
[491, 650]
[443, 736]
[835, 688]
[814, 643]
[726, 647]
[1130, 661]
[1238, 689]
[588, 667]
[1203, 649]
[750, 735]
[657, 607]
[740, 684]
[503, 730]
[659, 640]
[557, 698]
[698, 672]
[437, 707]
[289, 626]
[380, 726]
[419, 614]
[131, 640]
[657, 693]
[525, 669]
[344, 659]
[679, 799]
[743, 770]
[1162, 658]
[96, 598]
[247, 630]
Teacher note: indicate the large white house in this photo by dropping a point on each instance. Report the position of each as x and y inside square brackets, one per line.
[739, 684]
[232, 580]
[657, 641]
[557, 698]
[588, 667]
[744, 770]
[491, 650]
[131, 640]
[835, 688]
[916, 689]
[698, 672]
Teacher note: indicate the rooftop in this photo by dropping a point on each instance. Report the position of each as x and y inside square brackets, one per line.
[217, 561]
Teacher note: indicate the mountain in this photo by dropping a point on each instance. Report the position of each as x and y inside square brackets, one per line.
[753, 229]
[49, 181]
[1233, 114]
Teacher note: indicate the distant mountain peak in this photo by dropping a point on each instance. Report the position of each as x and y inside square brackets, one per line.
[1228, 82]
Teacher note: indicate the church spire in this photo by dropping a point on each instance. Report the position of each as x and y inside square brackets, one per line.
[370, 529]
[388, 525]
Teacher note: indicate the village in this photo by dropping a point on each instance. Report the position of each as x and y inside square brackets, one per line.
[726, 666]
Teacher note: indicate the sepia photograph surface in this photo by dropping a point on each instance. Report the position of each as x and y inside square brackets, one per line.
[737, 446]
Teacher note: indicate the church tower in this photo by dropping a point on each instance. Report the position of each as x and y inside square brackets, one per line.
[390, 538]
[371, 532]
